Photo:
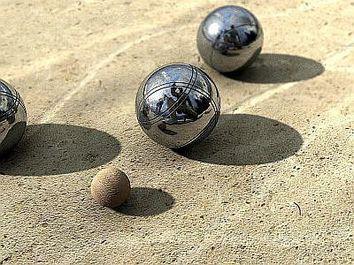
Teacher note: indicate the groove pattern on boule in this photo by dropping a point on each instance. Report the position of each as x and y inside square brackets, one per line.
[13, 117]
[178, 105]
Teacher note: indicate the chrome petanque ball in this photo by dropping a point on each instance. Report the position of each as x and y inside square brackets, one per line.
[13, 117]
[178, 105]
[229, 39]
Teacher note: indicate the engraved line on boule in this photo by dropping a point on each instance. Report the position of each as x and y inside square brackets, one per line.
[175, 103]
[191, 89]
[182, 99]
[158, 70]
[16, 98]
[211, 100]
[213, 83]
[167, 85]
[201, 91]
[215, 106]
[142, 122]
[214, 119]
[154, 91]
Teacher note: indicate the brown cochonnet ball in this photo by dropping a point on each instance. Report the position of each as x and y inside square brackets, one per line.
[110, 187]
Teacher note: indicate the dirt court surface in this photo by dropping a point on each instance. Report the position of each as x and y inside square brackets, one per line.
[272, 184]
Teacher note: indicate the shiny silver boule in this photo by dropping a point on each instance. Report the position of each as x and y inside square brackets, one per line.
[13, 117]
[178, 105]
[230, 38]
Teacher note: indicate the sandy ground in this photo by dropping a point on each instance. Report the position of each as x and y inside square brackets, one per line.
[272, 184]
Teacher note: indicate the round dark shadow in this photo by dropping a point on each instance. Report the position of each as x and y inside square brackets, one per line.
[51, 149]
[146, 202]
[242, 139]
[278, 68]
